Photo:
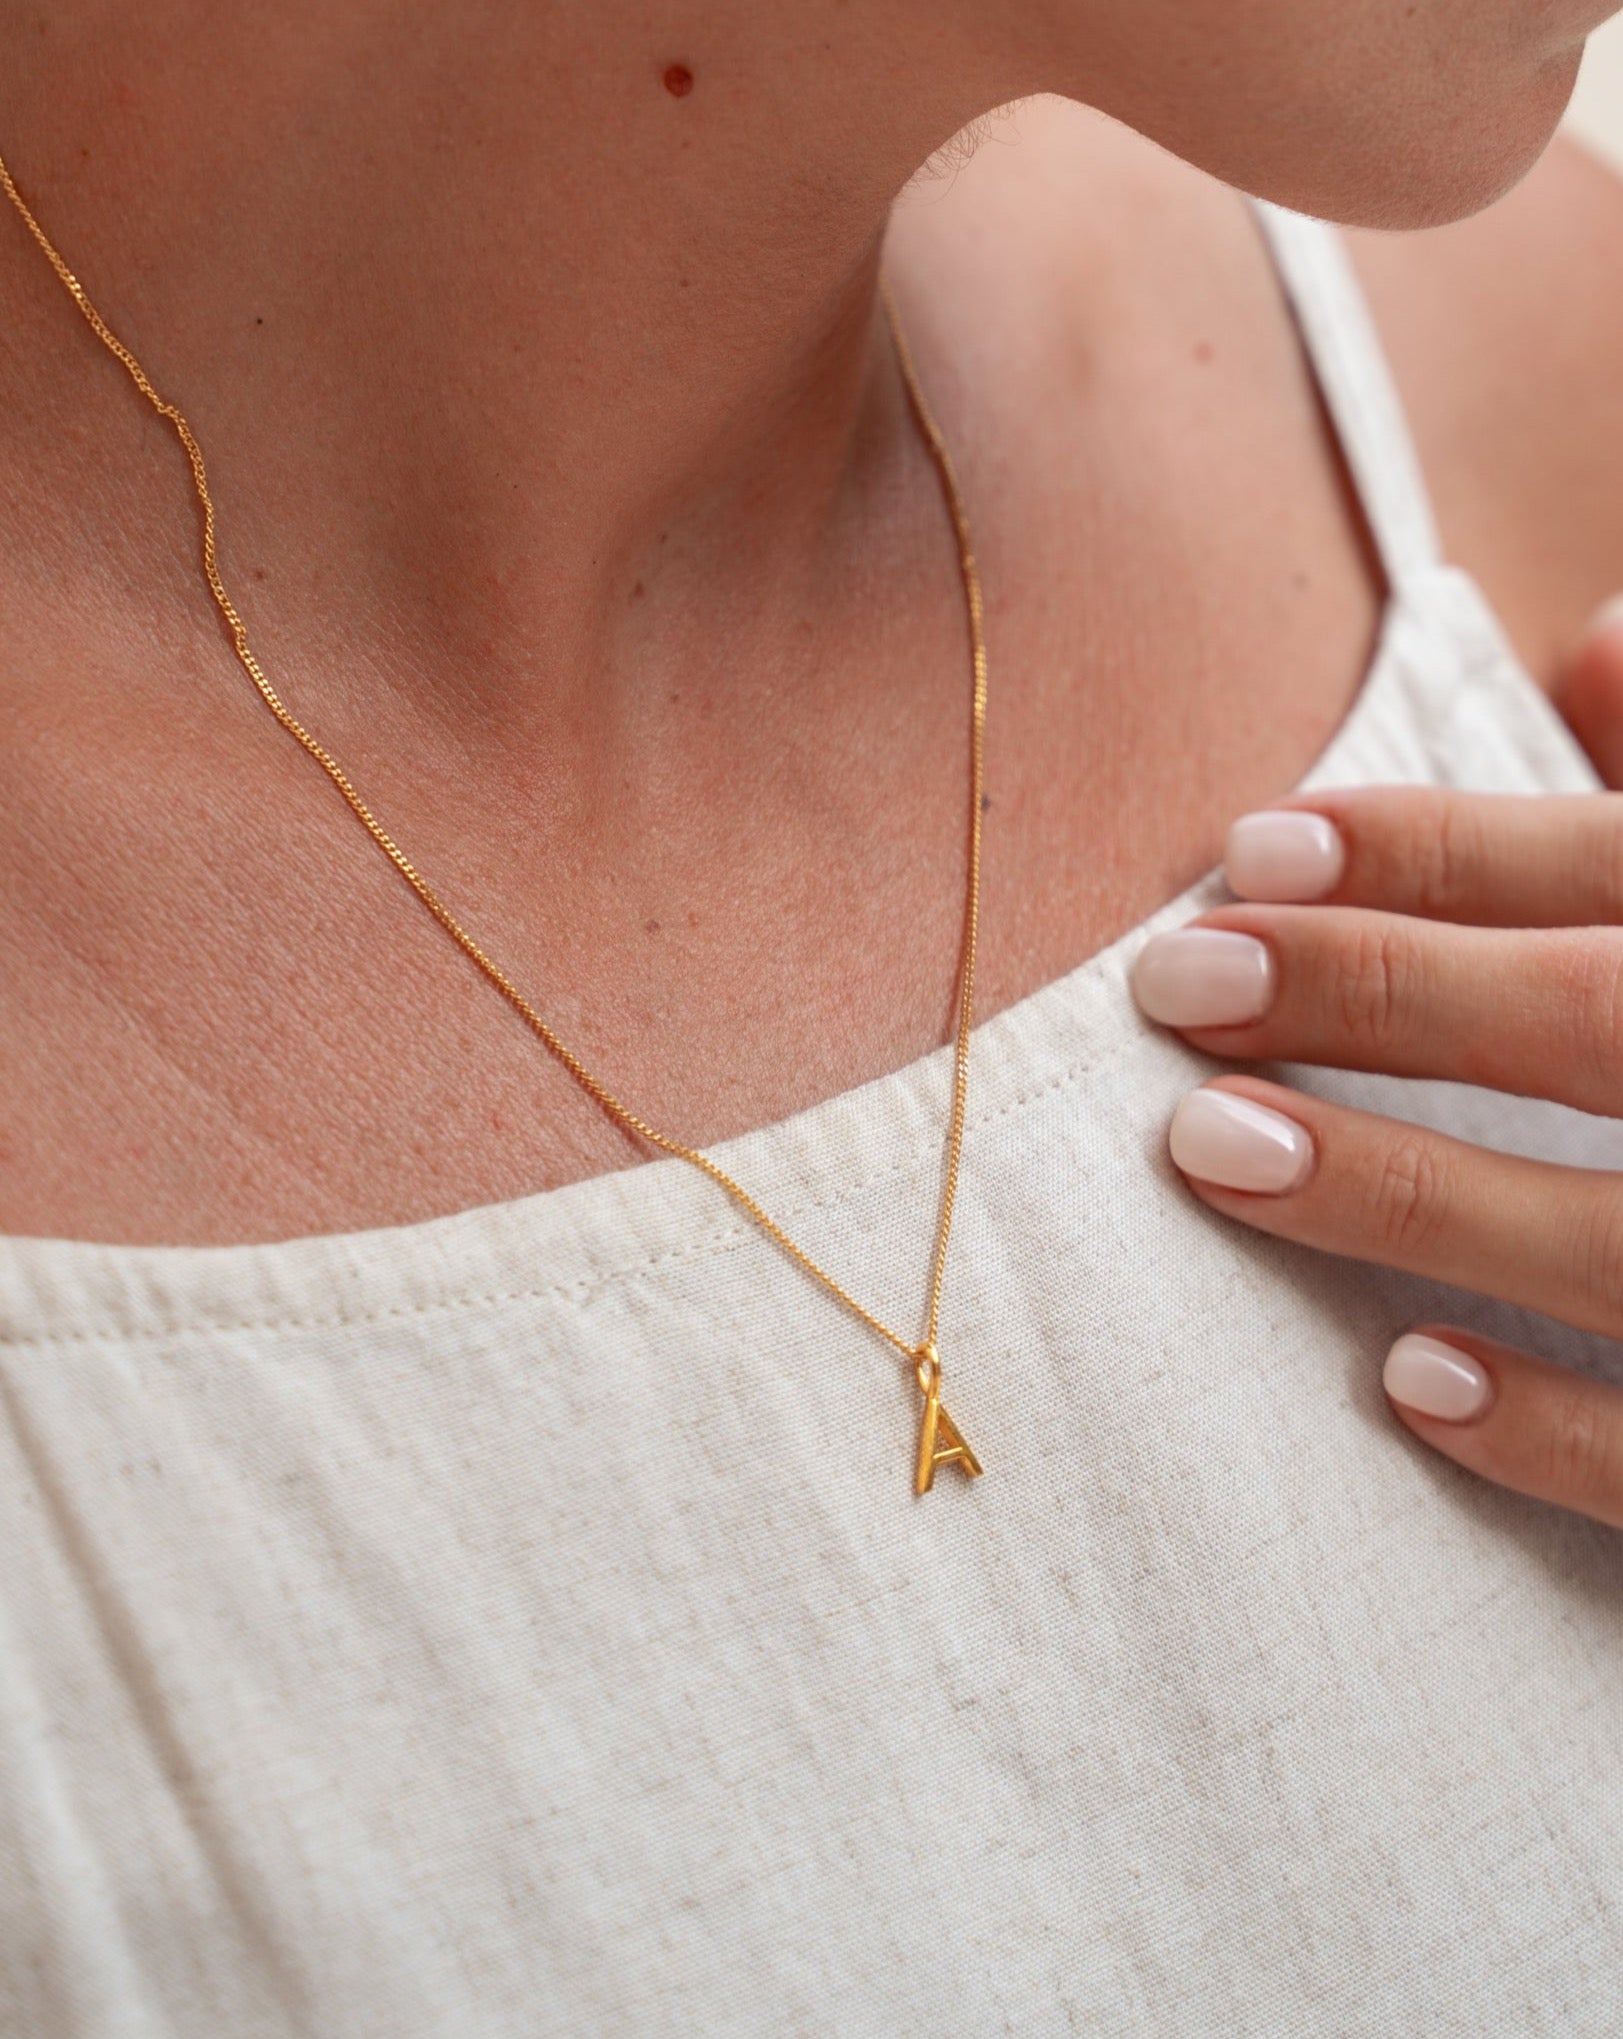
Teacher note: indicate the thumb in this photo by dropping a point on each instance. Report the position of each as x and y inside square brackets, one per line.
[1589, 692]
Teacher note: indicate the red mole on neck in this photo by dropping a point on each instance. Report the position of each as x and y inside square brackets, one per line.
[679, 81]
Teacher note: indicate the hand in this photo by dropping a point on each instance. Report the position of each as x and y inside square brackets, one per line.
[1470, 937]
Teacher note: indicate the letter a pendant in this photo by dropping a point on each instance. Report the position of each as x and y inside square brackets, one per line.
[941, 1442]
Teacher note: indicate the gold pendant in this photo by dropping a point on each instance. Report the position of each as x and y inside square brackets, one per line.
[941, 1442]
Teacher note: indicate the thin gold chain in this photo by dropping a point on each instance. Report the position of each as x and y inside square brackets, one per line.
[466, 942]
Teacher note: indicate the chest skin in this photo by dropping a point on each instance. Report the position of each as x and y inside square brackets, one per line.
[224, 1018]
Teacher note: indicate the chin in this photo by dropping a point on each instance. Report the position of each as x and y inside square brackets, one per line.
[1369, 135]
[1425, 165]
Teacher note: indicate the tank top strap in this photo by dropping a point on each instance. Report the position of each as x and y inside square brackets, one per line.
[1350, 366]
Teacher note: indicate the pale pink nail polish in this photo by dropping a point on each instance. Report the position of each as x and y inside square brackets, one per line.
[1203, 977]
[1282, 856]
[1435, 1379]
[1217, 1136]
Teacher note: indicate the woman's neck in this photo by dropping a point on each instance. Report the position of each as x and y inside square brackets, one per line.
[524, 334]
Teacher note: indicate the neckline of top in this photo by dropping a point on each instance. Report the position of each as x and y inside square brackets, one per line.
[605, 1227]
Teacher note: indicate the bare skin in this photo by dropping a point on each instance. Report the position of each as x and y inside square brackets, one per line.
[611, 566]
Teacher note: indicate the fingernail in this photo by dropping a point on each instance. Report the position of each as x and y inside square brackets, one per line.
[1203, 977]
[1217, 1136]
[1280, 855]
[1606, 619]
[1435, 1379]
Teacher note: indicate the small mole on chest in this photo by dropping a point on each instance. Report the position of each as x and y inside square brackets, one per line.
[678, 81]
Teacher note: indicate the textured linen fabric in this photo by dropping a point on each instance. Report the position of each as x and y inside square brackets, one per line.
[522, 1623]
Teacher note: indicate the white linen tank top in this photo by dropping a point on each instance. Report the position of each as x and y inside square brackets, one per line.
[523, 1624]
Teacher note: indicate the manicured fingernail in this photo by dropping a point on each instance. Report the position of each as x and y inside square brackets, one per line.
[1435, 1379]
[1607, 620]
[1203, 977]
[1280, 855]
[1218, 1136]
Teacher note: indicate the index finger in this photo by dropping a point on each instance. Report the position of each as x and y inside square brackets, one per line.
[1486, 859]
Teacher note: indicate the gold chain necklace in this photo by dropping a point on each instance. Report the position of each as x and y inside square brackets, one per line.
[940, 1442]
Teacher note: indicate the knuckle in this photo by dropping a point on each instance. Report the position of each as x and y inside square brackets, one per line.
[1420, 852]
[1373, 981]
[1580, 1453]
[1599, 854]
[1411, 1196]
[1391, 830]
[1453, 850]
[1597, 1262]
[1587, 973]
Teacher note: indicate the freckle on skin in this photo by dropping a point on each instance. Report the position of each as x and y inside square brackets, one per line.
[679, 81]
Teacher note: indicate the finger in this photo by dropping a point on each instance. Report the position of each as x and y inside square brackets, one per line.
[1590, 692]
[1535, 1012]
[1516, 1420]
[1490, 859]
[1528, 1232]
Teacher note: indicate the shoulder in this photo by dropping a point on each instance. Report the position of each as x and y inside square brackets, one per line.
[1117, 292]
[1505, 334]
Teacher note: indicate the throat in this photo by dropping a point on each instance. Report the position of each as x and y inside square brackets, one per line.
[491, 330]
